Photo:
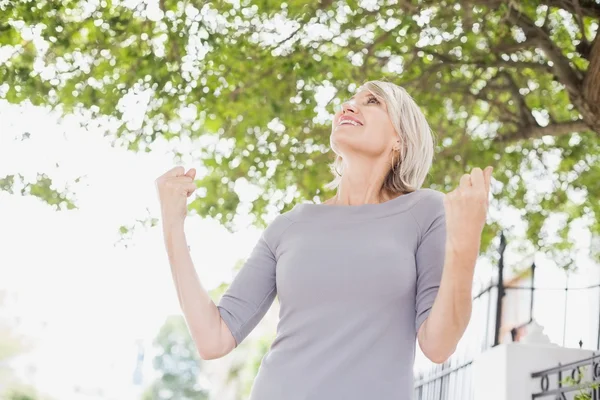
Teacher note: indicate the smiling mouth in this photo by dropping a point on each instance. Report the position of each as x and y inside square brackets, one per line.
[349, 124]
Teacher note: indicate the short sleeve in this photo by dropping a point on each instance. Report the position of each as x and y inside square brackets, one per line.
[253, 289]
[430, 257]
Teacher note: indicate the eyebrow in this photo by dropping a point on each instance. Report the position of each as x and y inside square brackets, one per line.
[369, 93]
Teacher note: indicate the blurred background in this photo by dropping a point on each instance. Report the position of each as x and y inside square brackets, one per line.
[99, 98]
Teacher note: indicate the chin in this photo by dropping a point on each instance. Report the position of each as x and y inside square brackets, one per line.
[337, 143]
[341, 136]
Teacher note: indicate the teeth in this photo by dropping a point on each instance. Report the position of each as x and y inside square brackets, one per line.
[347, 121]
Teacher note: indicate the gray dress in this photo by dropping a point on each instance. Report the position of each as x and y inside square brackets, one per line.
[354, 284]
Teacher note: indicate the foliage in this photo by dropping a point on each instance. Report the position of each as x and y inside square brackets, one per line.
[12, 345]
[178, 364]
[582, 393]
[23, 392]
[510, 84]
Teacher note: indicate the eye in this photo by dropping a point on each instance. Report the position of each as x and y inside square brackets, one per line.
[371, 97]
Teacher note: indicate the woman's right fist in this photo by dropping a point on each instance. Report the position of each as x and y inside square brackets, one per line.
[174, 187]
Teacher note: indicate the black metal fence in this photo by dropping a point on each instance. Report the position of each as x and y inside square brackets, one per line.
[452, 379]
[579, 380]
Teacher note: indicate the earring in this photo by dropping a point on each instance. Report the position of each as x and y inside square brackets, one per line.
[393, 162]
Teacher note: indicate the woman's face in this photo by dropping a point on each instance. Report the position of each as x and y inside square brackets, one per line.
[373, 139]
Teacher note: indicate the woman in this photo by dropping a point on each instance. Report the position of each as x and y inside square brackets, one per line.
[360, 277]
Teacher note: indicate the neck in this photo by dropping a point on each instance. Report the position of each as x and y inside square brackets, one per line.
[361, 186]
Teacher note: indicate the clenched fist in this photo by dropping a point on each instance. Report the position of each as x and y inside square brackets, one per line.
[174, 187]
[466, 210]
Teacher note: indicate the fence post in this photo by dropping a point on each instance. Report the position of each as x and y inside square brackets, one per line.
[533, 266]
[500, 289]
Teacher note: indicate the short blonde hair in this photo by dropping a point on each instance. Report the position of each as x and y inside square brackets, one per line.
[411, 167]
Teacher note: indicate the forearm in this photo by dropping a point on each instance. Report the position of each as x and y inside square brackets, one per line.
[451, 310]
[200, 312]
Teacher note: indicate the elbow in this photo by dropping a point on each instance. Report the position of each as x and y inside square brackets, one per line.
[436, 352]
[217, 351]
[435, 349]
[439, 356]
[222, 344]
[211, 353]
[209, 356]
[207, 352]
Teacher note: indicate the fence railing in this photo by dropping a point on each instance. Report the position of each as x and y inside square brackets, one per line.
[579, 380]
[452, 379]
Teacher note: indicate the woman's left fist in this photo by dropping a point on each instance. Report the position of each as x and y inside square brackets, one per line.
[466, 210]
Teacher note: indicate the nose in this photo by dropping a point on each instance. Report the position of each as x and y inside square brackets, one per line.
[348, 106]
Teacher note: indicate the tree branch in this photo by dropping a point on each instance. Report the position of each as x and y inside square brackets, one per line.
[504, 47]
[371, 49]
[557, 129]
[303, 21]
[505, 115]
[561, 67]
[579, 18]
[527, 118]
[588, 8]
[485, 64]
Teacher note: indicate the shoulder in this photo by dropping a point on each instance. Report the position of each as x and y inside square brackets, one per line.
[429, 208]
[429, 198]
[274, 230]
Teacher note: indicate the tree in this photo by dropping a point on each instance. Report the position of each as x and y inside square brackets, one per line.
[504, 83]
[13, 344]
[19, 391]
[178, 364]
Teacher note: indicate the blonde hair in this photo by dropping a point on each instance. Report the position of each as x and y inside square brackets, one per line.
[409, 170]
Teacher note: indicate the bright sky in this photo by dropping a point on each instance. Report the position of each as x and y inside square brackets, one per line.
[79, 292]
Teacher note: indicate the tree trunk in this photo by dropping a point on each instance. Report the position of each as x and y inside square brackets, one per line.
[591, 88]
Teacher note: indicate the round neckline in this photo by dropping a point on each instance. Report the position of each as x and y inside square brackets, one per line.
[358, 205]
[366, 211]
